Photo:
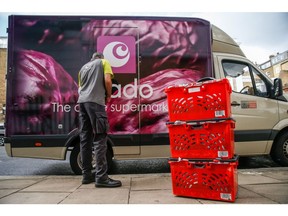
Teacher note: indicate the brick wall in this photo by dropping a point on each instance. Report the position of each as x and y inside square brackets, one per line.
[3, 65]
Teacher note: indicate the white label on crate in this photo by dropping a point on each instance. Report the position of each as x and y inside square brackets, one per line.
[191, 90]
[222, 153]
[225, 196]
[219, 113]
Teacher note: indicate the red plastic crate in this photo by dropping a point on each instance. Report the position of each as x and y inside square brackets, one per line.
[208, 139]
[198, 101]
[215, 180]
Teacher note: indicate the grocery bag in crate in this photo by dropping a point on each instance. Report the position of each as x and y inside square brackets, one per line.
[197, 101]
[205, 179]
[213, 138]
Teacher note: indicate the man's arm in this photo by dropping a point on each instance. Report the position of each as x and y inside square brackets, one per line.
[108, 86]
[108, 79]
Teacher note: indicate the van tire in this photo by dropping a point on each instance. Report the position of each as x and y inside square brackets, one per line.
[279, 152]
[75, 162]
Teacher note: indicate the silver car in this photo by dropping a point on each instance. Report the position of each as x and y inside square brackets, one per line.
[2, 132]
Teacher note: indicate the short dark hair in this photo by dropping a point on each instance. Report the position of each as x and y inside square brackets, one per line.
[97, 55]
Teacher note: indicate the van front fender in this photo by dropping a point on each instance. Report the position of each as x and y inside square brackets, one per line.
[74, 139]
[283, 124]
[278, 130]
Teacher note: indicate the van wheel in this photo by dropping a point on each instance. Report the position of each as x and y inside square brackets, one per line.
[76, 163]
[279, 152]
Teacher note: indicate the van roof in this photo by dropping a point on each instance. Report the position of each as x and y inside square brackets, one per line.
[223, 43]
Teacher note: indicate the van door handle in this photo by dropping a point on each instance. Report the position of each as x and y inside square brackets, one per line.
[235, 103]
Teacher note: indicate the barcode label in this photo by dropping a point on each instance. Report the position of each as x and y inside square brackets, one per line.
[219, 113]
[225, 196]
[191, 90]
[222, 153]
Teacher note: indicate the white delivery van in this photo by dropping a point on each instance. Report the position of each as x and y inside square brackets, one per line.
[147, 55]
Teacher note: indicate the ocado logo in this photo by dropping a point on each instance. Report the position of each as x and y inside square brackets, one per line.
[120, 51]
[117, 53]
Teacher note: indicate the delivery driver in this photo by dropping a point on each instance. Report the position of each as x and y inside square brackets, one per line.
[95, 86]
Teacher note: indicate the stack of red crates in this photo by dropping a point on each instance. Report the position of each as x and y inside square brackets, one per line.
[201, 133]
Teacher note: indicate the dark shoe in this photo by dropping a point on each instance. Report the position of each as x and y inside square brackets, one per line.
[108, 183]
[88, 179]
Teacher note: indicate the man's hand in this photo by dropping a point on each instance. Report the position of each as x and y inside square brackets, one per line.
[107, 99]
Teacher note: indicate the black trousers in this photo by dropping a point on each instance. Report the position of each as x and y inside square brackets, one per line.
[93, 134]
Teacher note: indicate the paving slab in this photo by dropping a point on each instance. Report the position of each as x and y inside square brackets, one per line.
[98, 196]
[254, 177]
[244, 196]
[17, 183]
[34, 198]
[280, 174]
[245, 193]
[260, 200]
[61, 184]
[158, 197]
[5, 192]
[275, 192]
[151, 182]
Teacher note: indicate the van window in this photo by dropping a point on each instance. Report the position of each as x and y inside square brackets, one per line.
[245, 79]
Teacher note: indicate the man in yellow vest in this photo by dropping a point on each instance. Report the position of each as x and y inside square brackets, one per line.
[95, 87]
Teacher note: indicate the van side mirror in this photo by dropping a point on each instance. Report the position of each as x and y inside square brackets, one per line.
[278, 89]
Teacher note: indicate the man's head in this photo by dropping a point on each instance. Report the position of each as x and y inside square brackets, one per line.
[97, 55]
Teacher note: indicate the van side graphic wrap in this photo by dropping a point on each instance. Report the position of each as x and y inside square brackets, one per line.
[146, 56]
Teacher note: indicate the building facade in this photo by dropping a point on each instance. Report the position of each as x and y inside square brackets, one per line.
[3, 67]
[277, 66]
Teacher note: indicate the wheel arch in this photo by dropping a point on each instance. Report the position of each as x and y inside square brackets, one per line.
[279, 149]
[73, 145]
[278, 130]
[74, 139]
[277, 137]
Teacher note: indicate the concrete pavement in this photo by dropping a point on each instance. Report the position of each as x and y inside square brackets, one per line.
[255, 186]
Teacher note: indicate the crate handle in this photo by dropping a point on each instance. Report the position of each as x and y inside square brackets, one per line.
[199, 166]
[194, 123]
[194, 126]
[178, 122]
[203, 79]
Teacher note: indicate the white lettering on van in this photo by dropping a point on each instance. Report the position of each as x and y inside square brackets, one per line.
[123, 108]
[60, 107]
[130, 90]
